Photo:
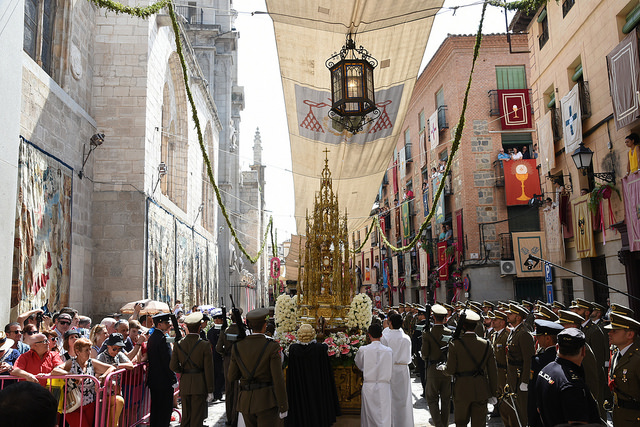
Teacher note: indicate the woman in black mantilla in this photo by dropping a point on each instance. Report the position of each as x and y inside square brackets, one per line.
[311, 388]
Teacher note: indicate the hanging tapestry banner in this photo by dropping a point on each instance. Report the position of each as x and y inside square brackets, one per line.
[42, 243]
[406, 225]
[425, 198]
[554, 235]
[161, 254]
[547, 158]
[571, 120]
[185, 291]
[624, 80]
[525, 244]
[423, 148]
[407, 268]
[440, 205]
[443, 262]
[434, 131]
[583, 227]
[631, 191]
[201, 282]
[515, 109]
[394, 267]
[424, 267]
[402, 162]
[521, 181]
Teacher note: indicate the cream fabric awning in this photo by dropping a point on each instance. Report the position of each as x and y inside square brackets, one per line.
[307, 34]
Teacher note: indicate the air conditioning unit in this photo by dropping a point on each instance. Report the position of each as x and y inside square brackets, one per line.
[507, 267]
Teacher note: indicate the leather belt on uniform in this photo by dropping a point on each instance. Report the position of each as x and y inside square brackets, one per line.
[515, 362]
[501, 366]
[192, 371]
[628, 404]
[254, 386]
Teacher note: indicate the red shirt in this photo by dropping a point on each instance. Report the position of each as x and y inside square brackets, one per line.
[32, 363]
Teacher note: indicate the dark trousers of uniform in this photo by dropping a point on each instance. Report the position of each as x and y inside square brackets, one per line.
[194, 410]
[161, 406]
[438, 388]
[465, 410]
[420, 366]
[230, 395]
[520, 399]
[267, 418]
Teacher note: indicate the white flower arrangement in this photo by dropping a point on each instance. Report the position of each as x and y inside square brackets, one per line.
[360, 312]
[286, 313]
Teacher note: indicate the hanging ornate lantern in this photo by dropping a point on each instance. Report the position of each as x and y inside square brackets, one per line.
[353, 103]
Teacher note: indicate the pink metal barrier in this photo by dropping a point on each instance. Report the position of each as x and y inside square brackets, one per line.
[71, 411]
[122, 401]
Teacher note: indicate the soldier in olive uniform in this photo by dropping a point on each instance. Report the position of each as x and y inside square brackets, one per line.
[416, 344]
[256, 362]
[528, 305]
[520, 349]
[408, 318]
[471, 362]
[192, 358]
[438, 384]
[499, 344]
[546, 338]
[624, 372]
[598, 342]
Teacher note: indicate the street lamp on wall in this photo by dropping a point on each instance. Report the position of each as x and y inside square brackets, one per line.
[353, 102]
[582, 157]
[94, 142]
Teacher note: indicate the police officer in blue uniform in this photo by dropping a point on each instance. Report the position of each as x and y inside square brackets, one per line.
[161, 378]
[546, 333]
[562, 396]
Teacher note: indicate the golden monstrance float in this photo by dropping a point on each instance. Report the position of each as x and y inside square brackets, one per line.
[326, 285]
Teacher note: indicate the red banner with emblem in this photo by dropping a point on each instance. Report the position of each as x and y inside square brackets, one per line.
[443, 262]
[515, 109]
[521, 181]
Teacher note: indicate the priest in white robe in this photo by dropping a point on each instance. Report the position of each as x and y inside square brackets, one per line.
[400, 343]
[376, 363]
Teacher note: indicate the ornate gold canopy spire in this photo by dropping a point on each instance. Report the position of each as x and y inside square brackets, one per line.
[326, 281]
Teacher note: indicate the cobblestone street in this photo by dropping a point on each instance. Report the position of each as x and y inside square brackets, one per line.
[421, 415]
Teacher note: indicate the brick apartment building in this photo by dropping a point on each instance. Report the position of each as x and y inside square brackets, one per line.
[473, 203]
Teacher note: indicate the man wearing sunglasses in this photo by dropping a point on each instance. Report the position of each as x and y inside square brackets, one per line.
[14, 331]
[63, 324]
[36, 364]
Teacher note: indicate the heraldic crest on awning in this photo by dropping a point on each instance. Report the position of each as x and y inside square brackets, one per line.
[309, 32]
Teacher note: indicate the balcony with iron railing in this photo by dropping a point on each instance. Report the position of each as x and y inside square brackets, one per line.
[442, 118]
[585, 99]
[498, 168]
[195, 17]
[556, 122]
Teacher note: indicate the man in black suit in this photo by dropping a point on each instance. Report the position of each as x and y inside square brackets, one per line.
[161, 377]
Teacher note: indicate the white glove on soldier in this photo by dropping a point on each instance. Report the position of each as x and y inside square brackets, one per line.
[493, 401]
[283, 414]
[524, 387]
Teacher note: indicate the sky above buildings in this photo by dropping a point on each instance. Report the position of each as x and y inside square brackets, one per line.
[259, 73]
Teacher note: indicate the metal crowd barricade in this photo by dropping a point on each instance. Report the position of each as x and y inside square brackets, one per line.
[59, 386]
[123, 401]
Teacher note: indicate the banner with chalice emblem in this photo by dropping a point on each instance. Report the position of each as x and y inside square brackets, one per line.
[521, 181]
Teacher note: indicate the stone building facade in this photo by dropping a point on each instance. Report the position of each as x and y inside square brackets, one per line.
[473, 190]
[143, 217]
[569, 43]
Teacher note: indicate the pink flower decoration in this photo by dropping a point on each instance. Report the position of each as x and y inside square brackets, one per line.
[291, 337]
[354, 342]
[344, 349]
[331, 353]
